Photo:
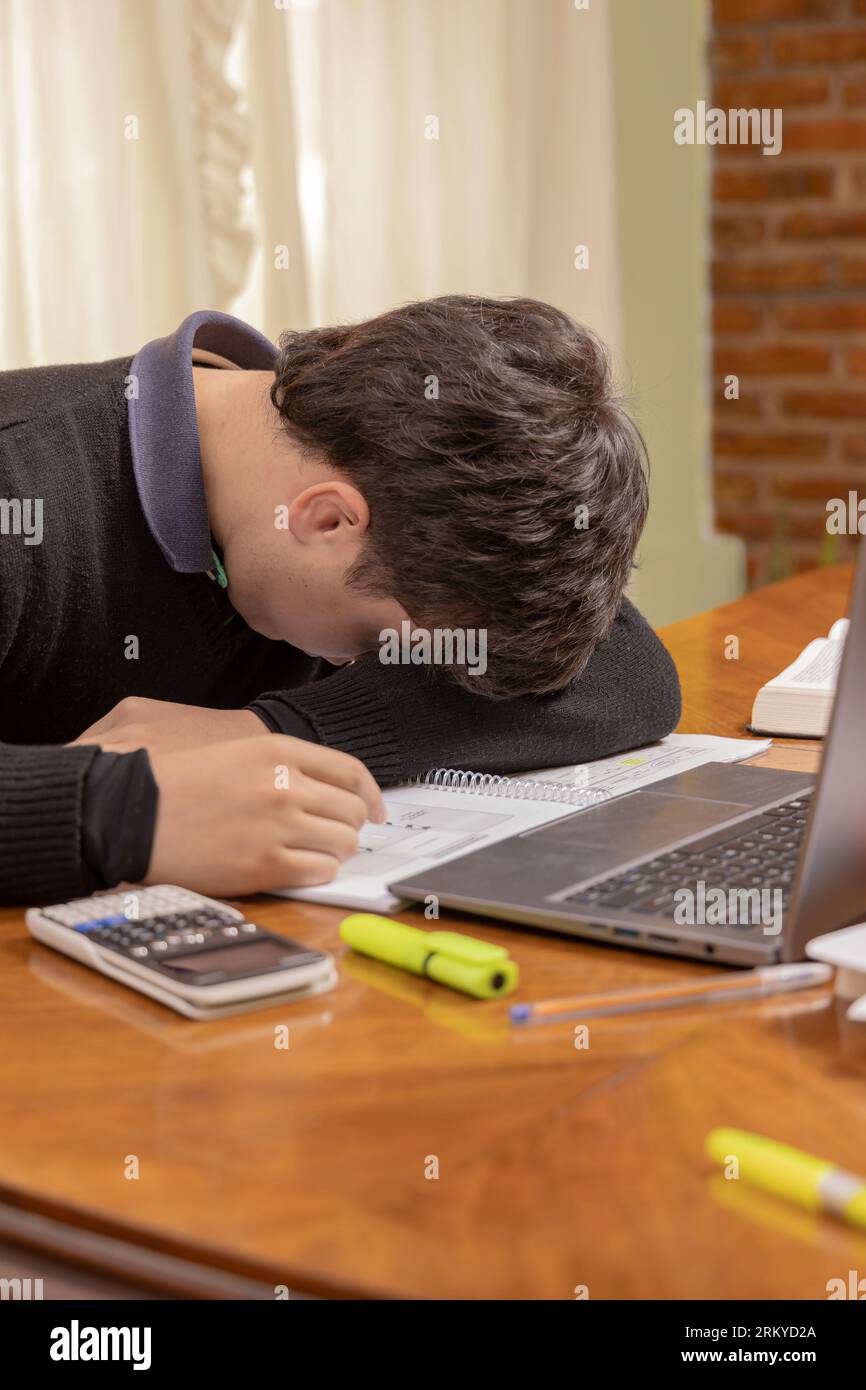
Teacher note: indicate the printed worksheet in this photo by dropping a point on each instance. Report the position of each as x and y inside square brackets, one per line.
[428, 825]
[425, 826]
[626, 772]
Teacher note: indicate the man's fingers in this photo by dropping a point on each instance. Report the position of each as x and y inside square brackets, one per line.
[304, 869]
[322, 836]
[333, 803]
[330, 765]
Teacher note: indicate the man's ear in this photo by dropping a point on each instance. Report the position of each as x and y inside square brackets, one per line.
[333, 511]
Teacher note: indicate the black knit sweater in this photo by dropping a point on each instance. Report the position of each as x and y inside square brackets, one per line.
[69, 606]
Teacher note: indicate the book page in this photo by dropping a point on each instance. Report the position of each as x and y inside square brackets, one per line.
[817, 666]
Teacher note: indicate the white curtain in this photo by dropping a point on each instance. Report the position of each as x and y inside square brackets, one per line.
[520, 174]
[449, 145]
[296, 161]
[126, 158]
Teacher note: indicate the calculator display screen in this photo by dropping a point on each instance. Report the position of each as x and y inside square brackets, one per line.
[246, 958]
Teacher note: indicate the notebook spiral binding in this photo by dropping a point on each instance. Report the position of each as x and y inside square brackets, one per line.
[517, 788]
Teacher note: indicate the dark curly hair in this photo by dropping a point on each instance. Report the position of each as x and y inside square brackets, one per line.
[476, 430]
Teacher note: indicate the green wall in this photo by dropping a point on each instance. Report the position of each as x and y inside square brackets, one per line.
[663, 195]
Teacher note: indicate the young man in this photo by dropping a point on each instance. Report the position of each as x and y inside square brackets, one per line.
[220, 563]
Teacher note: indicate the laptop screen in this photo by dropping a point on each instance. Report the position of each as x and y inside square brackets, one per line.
[830, 891]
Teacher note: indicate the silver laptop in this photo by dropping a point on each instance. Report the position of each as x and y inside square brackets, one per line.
[738, 864]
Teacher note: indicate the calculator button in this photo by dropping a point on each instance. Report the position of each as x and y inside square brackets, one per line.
[159, 946]
[94, 923]
[249, 927]
[162, 923]
[230, 931]
[139, 951]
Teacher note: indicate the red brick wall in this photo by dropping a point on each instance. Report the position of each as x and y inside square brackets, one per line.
[789, 278]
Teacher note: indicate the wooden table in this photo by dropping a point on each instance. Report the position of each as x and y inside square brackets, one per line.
[557, 1167]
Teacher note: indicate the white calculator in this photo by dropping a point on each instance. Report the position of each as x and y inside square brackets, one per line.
[198, 956]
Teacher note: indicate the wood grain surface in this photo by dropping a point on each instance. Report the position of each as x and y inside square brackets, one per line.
[558, 1167]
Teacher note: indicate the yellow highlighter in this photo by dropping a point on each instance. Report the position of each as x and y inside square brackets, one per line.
[813, 1183]
[461, 962]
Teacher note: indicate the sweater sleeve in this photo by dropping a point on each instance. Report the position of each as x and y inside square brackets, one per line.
[404, 720]
[41, 796]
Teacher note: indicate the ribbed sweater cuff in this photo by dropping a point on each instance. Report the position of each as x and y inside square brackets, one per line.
[41, 793]
[345, 714]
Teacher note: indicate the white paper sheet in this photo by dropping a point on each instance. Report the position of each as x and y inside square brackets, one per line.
[626, 772]
[428, 826]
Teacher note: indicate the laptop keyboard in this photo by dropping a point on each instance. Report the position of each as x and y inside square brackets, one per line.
[758, 853]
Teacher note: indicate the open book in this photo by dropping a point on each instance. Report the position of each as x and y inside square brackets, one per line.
[448, 812]
[797, 702]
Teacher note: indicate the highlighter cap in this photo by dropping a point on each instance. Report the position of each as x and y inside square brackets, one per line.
[450, 958]
[485, 979]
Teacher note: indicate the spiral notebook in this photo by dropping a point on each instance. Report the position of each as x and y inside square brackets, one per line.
[449, 812]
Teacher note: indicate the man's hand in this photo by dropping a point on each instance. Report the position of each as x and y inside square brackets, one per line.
[259, 814]
[161, 726]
